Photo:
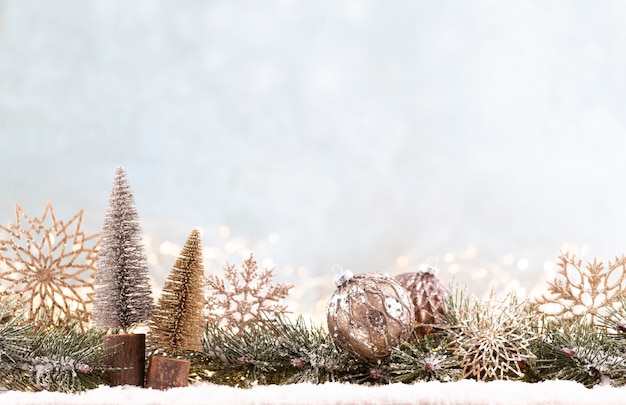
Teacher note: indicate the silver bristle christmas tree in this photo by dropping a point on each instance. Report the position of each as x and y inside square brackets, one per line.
[122, 296]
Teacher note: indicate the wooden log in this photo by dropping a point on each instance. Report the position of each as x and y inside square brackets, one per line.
[166, 372]
[127, 354]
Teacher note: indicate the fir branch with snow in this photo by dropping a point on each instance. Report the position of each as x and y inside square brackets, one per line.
[424, 359]
[577, 351]
[122, 296]
[14, 344]
[279, 351]
[286, 352]
[62, 359]
[33, 358]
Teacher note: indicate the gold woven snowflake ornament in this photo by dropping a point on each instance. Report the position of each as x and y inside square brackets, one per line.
[585, 292]
[47, 265]
[492, 338]
[244, 296]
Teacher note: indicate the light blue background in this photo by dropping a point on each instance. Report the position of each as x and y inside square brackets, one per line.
[351, 132]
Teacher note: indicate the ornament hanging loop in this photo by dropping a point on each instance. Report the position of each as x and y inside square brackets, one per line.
[344, 275]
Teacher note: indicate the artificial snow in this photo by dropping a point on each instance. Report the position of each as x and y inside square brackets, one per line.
[465, 392]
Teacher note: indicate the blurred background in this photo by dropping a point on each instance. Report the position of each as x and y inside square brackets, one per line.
[481, 136]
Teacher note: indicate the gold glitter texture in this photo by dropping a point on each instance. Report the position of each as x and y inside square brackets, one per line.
[47, 265]
[585, 292]
[244, 296]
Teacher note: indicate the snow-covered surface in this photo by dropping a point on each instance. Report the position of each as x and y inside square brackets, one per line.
[463, 392]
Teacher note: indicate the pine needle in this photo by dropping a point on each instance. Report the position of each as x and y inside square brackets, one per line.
[424, 359]
[578, 352]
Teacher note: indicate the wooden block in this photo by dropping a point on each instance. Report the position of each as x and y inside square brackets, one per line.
[126, 352]
[166, 372]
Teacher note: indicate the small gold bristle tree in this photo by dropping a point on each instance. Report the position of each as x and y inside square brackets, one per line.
[177, 323]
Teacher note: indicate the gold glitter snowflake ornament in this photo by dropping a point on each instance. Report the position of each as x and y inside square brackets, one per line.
[47, 266]
[492, 338]
[244, 296]
[584, 292]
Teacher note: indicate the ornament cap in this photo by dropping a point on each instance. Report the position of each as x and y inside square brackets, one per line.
[344, 278]
[428, 268]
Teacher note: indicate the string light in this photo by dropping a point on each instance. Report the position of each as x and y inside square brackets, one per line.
[465, 266]
[224, 231]
[508, 259]
[402, 261]
[522, 264]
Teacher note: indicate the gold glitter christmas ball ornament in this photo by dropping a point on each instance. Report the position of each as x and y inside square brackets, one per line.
[369, 314]
[428, 296]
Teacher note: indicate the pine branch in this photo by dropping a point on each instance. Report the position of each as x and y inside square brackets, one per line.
[578, 352]
[13, 336]
[15, 342]
[52, 359]
[242, 358]
[278, 351]
[613, 320]
[312, 352]
[424, 359]
[285, 352]
[64, 360]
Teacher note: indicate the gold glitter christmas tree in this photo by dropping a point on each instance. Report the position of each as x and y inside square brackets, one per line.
[177, 323]
[585, 292]
[244, 297]
[47, 265]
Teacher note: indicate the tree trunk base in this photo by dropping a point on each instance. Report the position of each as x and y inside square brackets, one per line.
[166, 372]
[127, 354]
